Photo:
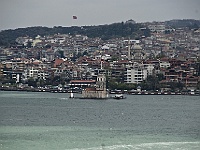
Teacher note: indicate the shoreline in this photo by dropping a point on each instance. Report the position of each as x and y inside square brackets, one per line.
[128, 93]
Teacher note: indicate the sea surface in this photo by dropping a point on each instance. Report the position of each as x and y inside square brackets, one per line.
[52, 121]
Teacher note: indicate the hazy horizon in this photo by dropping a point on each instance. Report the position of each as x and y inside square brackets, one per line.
[49, 13]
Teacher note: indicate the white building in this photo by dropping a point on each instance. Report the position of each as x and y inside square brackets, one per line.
[23, 40]
[164, 64]
[150, 68]
[34, 74]
[159, 27]
[30, 73]
[43, 75]
[138, 73]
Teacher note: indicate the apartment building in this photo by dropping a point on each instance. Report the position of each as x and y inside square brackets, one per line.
[164, 64]
[157, 27]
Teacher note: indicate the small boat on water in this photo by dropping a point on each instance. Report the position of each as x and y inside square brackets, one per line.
[119, 96]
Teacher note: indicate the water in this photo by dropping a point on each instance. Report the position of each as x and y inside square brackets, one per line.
[51, 121]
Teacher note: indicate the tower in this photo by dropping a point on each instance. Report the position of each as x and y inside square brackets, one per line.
[101, 82]
[129, 49]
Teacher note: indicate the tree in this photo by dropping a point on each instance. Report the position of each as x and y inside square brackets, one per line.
[61, 53]
[32, 82]
[48, 46]
[112, 84]
[105, 32]
[41, 82]
[29, 44]
[176, 85]
[85, 53]
[152, 82]
[198, 85]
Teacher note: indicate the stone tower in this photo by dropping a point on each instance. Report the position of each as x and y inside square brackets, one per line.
[99, 92]
[101, 82]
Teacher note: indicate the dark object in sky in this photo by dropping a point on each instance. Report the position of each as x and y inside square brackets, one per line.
[74, 17]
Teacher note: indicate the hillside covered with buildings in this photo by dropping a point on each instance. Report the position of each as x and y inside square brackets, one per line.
[155, 56]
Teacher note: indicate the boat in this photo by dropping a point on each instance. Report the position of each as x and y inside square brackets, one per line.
[119, 96]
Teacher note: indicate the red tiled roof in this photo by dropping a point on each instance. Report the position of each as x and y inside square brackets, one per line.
[90, 89]
[82, 81]
[58, 62]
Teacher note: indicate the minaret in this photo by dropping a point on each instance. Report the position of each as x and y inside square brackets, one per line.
[101, 65]
[129, 49]
[77, 50]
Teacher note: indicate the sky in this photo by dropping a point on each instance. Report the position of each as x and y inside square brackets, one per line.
[26, 13]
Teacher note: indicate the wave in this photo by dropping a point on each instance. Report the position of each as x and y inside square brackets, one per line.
[148, 146]
[63, 98]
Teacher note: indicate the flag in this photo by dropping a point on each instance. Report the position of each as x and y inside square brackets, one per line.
[74, 17]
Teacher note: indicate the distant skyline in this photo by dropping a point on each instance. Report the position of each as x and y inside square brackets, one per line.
[26, 13]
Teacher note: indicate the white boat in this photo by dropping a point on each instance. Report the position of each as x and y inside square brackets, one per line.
[119, 96]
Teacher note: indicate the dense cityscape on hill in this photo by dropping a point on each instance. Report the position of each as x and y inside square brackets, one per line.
[151, 56]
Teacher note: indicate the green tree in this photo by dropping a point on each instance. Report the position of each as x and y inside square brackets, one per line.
[29, 44]
[176, 86]
[114, 30]
[85, 53]
[152, 82]
[198, 85]
[112, 85]
[32, 82]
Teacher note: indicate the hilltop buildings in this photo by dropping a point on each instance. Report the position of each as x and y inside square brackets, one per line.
[61, 58]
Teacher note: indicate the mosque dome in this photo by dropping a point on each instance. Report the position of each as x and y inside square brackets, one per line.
[105, 47]
[137, 47]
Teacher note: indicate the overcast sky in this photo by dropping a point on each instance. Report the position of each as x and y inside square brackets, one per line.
[26, 13]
